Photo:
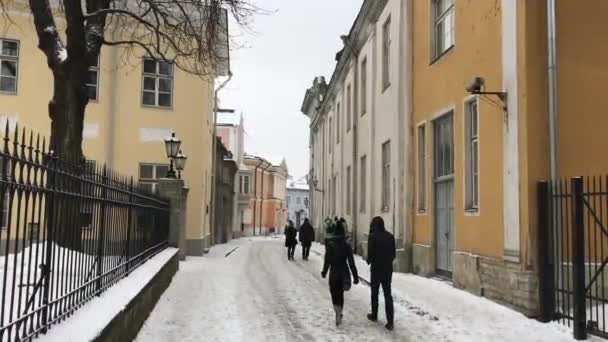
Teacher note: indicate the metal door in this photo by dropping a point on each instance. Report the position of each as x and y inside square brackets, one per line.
[444, 193]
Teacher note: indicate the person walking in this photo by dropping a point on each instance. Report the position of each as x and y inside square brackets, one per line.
[290, 239]
[381, 253]
[338, 260]
[307, 236]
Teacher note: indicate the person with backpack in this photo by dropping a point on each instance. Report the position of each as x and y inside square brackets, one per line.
[381, 253]
[339, 262]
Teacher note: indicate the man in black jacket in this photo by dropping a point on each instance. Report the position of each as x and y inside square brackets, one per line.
[380, 255]
[307, 236]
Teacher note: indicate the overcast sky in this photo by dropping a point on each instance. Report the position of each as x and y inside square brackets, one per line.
[283, 54]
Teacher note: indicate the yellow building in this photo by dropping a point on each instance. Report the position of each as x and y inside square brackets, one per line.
[478, 157]
[136, 102]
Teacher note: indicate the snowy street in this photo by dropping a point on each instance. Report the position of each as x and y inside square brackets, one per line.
[247, 291]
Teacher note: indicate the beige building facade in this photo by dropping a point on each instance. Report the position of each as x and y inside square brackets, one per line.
[135, 104]
[358, 163]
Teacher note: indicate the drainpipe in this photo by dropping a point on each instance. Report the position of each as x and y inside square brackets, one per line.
[262, 199]
[214, 154]
[255, 192]
[552, 83]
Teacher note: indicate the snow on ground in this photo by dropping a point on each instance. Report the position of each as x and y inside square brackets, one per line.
[246, 290]
[87, 322]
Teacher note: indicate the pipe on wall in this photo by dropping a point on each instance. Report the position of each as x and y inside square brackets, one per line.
[552, 85]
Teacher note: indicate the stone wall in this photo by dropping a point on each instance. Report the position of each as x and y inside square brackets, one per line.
[126, 325]
[498, 280]
[422, 260]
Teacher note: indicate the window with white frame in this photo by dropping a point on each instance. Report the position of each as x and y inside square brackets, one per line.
[348, 108]
[149, 174]
[386, 53]
[338, 115]
[157, 83]
[471, 155]
[443, 26]
[93, 80]
[244, 184]
[298, 200]
[348, 179]
[364, 86]
[363, 185]
[9, 63]
[386, 175]
[421, 168]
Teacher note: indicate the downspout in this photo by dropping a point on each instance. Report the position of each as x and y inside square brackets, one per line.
[255, 192]
[262, 199]
[355, 149]
[214, 154]
[552, 83]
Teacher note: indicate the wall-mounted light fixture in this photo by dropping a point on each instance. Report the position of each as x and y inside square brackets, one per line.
[477, 87]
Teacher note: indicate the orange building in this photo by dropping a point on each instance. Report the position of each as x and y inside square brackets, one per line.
[266, 188]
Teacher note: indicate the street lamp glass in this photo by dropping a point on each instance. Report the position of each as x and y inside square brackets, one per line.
[180, 161]
[172, 145]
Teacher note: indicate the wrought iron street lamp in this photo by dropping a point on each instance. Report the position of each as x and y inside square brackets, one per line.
[172, 145]
[180, 163]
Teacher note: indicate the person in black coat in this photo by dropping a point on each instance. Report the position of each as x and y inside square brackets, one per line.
[307, 236]
[338, 260]
[290, 239]
[380, 255]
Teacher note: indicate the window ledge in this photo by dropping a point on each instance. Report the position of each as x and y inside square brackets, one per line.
[9, 93]
[438, 57]
[385, 209]
[421, 211]
[157, 107]
[471, 210]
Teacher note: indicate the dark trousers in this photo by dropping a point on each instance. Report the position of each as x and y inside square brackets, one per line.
[290, 252]
[336, 288]
[305, 250]
[383, 279]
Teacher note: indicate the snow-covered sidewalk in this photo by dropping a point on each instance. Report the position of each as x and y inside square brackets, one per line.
[461, 315]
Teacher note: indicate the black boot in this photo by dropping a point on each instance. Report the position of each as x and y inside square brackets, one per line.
[372, 317]
[389, 326]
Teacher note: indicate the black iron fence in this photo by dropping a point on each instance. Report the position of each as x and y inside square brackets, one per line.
[573, 253]
[68, 231]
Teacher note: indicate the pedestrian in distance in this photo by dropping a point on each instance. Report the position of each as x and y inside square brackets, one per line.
[380, 255]
[340, 263]
[290, 239]
[307, 236]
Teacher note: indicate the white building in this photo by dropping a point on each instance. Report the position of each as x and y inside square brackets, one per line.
[231, 130]
[298, 201]
[358, 125]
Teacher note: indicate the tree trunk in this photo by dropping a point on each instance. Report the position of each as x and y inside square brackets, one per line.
[66, 110]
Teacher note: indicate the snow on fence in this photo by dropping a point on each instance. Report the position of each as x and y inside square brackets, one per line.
[68, 231]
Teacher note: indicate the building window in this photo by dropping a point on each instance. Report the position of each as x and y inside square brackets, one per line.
[93, 80]
[443, 26]
[363, 185]
[338, 115]
[348, 179]
[364, 86]
[386, 175]
[330, 134]
[471, 156]
[334, 193]
[298, 200]
[421, 168]
[244, 184]
[348, 108]
[9, 61]
[149, 174]
[386, 53]
[157, 83]
[288, 200]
